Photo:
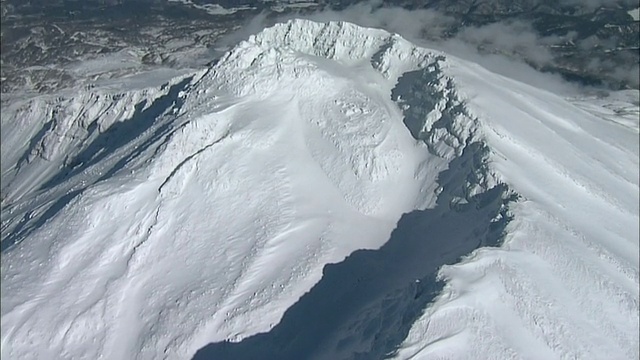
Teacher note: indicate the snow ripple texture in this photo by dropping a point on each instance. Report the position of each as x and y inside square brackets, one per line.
[149, 223]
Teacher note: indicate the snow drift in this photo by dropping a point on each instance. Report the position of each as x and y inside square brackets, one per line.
[196, 217]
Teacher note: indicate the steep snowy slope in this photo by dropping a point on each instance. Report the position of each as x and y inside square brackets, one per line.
[565, 283]
[196, 217]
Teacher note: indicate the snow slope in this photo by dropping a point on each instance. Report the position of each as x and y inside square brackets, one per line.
[565, 283]
[150, 222]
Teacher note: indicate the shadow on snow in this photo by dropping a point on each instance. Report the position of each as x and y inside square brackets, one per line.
[119, 135]
[364, 306]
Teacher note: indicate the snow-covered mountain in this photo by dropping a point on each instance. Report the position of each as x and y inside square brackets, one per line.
[324, 191]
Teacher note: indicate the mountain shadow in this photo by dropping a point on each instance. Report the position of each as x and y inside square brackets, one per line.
[364, 306]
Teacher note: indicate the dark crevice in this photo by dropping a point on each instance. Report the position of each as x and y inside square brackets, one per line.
[35, 142]
[189, 158]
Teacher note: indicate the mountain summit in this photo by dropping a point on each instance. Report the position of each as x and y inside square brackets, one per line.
[324, 191]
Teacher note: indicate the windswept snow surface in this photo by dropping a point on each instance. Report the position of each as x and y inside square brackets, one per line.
[147, 223]
[565, 283]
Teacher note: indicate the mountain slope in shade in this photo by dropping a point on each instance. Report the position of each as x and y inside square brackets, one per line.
[197, 217]
[565, 282]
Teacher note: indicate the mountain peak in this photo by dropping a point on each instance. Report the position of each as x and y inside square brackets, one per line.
[335, 40]
[300, 47]
[152, 223]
